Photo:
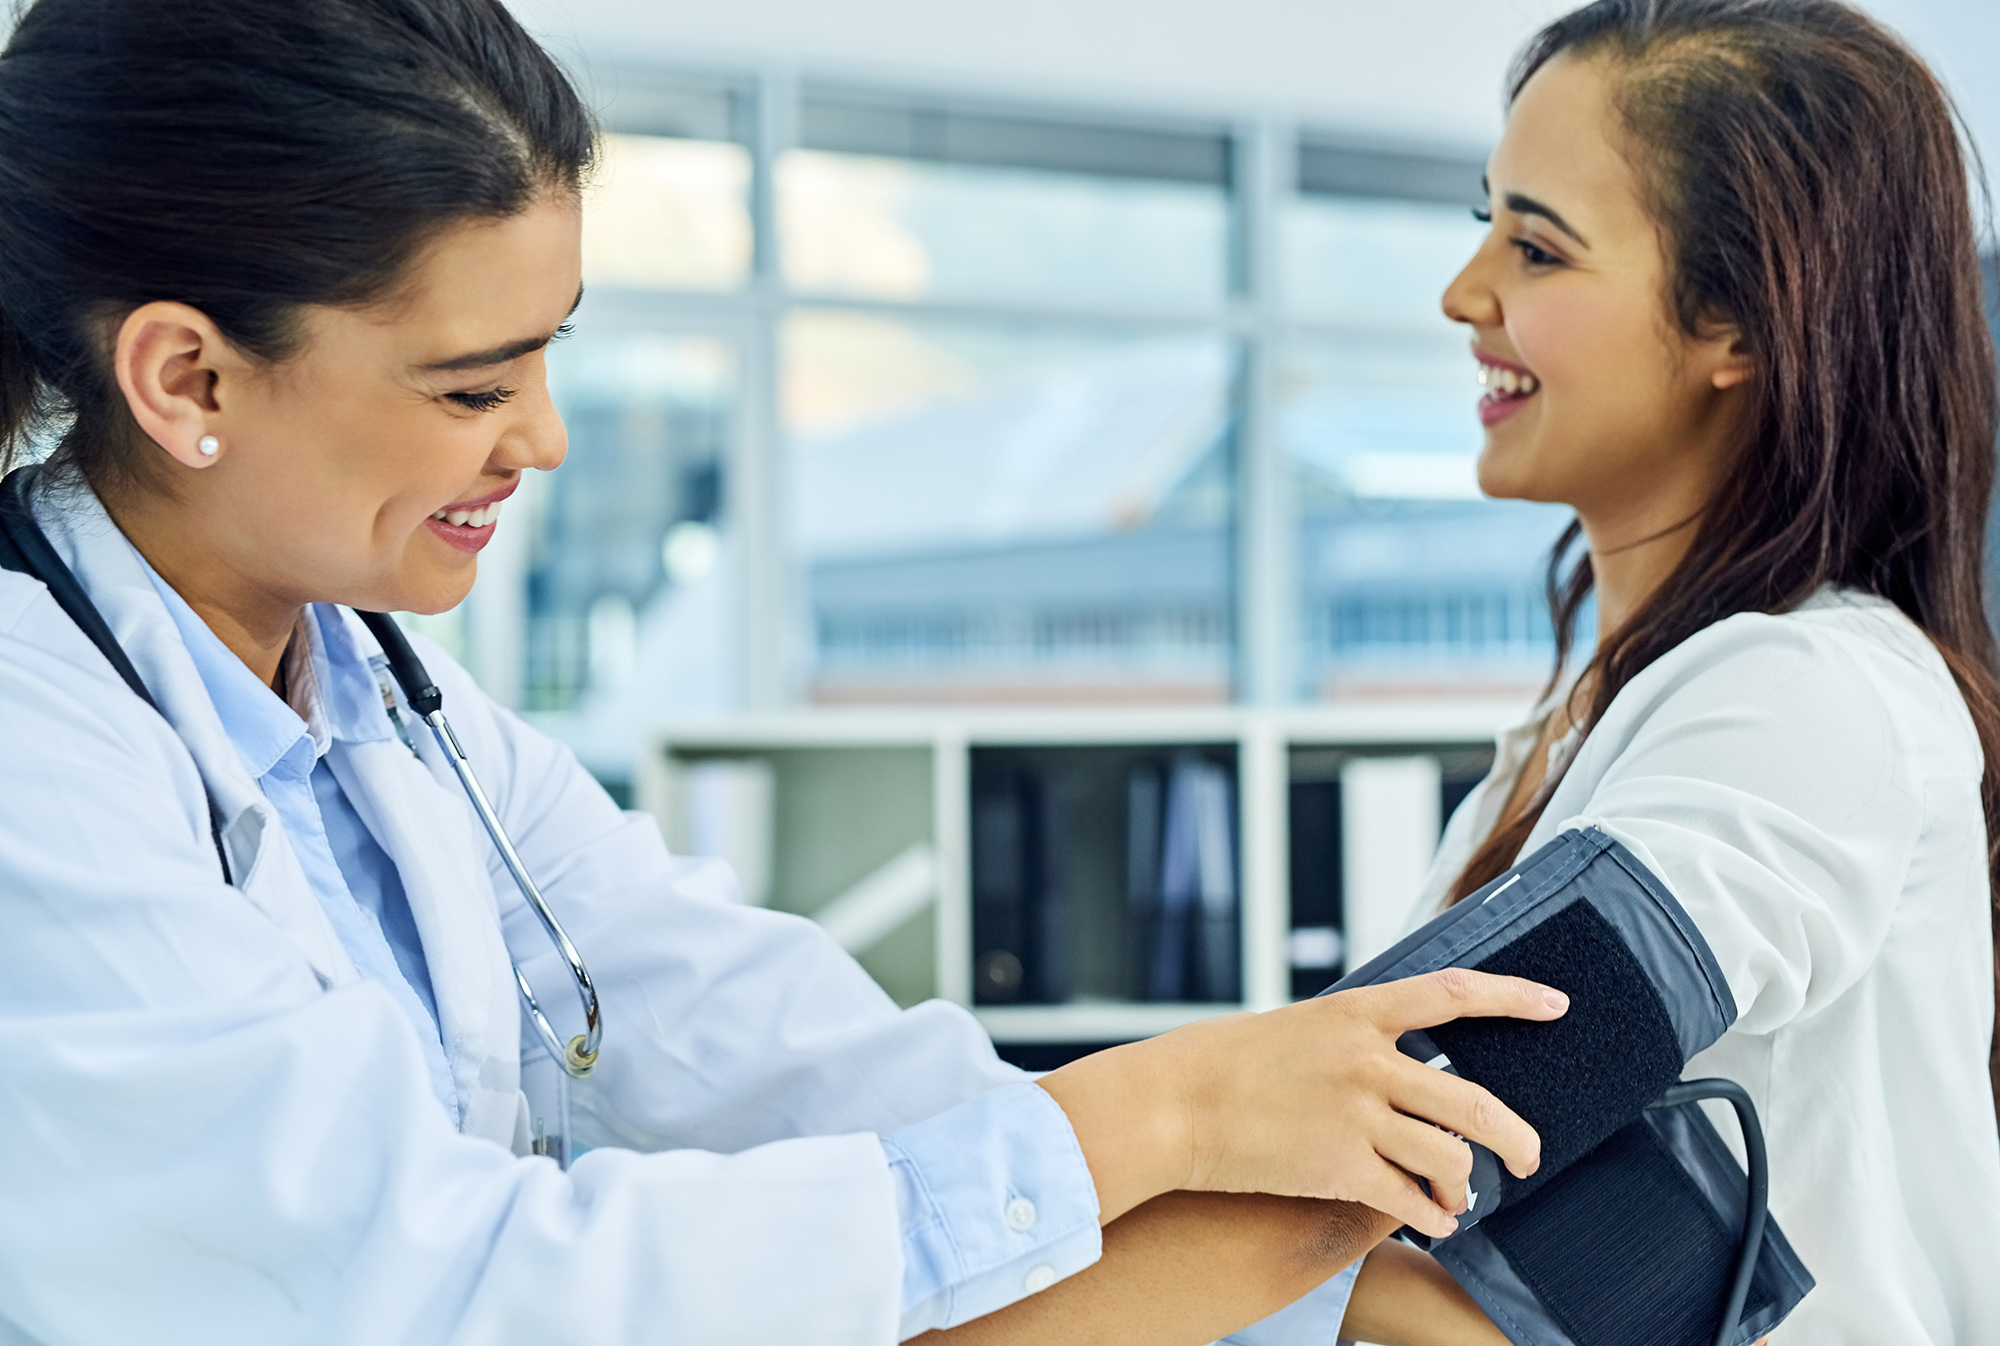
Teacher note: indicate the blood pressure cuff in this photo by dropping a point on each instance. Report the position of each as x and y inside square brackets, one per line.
[1628, 1232]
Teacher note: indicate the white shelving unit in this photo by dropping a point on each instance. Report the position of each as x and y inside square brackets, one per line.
[869, 827]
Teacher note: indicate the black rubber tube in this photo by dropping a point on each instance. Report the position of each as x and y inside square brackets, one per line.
[1755, 1208]
[425, 699]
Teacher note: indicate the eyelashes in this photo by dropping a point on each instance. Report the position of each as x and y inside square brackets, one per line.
[492, 398]
[488, 400]
[1533, 255]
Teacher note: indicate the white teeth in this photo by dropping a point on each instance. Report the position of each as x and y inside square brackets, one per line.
[469, 518]
[1507, 381]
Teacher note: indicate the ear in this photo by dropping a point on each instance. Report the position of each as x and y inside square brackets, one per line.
[171, 362]
[1729, 364]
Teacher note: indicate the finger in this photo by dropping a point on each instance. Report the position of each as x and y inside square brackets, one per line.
[1457, 993]
[1423, 1151]
[1393, 1192]
[1470, 1110]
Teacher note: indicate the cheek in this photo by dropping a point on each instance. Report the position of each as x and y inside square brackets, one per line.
[1606, 383]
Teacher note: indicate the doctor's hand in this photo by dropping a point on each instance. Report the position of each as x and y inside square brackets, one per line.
[1309, 1100]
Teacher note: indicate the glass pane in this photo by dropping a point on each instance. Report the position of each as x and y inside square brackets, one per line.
[668, 214]
[988, 513]
[1378, 264]
[906, 229]
[1410, 578]
[627, 571]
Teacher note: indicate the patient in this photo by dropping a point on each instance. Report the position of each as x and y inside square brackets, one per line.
[1729, 311]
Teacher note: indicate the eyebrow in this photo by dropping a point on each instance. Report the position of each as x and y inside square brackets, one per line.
[1528, 205]
[500, 355]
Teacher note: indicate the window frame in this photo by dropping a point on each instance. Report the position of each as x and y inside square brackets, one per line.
[1264, 163]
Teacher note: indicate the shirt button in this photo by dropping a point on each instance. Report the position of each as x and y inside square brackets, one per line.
[1020, 1215]
[1039, 1279]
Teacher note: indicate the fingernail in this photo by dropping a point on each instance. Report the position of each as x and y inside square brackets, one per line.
[1555, 999]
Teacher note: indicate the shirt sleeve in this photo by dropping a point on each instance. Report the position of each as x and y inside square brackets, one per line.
[996, 1203]
[1769, 780]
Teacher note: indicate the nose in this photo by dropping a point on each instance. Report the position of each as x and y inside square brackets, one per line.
[1470, 298]
[536, 436]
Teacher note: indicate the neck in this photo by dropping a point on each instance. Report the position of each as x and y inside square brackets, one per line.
[255, 624]
[1628, 565]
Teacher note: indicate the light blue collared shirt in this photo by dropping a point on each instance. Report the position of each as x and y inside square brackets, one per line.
[995, 1199]
[351, 875]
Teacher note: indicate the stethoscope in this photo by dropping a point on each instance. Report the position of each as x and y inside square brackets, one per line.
[25, 547]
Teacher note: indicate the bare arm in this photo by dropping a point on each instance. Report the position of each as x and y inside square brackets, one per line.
[1404, 1298]
[1186, 1268]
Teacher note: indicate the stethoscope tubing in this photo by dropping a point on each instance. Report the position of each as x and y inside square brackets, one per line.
[579, 1054]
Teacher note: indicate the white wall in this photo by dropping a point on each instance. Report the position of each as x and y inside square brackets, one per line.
[1418, 70]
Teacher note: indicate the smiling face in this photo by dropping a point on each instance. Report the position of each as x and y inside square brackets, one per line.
[1595, 396]
[368, 467]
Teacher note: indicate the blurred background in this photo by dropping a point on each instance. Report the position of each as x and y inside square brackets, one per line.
[1059, 352]
[1072, 358]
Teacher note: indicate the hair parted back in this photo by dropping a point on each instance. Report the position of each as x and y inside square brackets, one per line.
[248, 158]
[1805, 171]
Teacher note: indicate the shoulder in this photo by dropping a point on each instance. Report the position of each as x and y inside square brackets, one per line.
[75, 737]
[1845, 675]
[51, 674]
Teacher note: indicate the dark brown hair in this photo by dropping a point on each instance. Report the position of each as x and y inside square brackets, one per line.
[248, 158]
[1805, 172]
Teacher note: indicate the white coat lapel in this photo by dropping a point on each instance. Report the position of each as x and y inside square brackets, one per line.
[429, 832]
[262, 865]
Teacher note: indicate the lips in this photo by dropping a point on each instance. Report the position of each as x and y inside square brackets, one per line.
[1508, 387]
[467, 525]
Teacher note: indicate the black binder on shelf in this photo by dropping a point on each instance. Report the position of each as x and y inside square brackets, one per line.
[1020, 912]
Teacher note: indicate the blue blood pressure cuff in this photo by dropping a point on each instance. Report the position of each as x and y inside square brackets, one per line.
[1629, 1232]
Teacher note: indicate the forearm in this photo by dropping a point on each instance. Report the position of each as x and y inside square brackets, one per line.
[1404, 1298]
[1187, 1268]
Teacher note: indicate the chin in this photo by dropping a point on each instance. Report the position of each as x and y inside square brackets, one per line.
[1500, 478]
[439, 598]
[1509, 474]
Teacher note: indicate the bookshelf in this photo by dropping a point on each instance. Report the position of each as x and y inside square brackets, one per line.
[866, 821]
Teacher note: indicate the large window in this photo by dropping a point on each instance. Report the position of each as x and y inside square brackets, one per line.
[999, 512]
[879, 399]
[1408, 579]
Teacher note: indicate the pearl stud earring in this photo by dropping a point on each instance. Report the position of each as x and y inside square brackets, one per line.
[209, 446]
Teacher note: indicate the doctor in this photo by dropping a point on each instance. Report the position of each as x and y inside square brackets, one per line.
[276, 280]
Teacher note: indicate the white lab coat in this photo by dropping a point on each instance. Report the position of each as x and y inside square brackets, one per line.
[212, 1130]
